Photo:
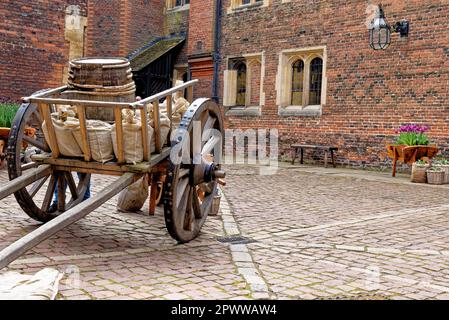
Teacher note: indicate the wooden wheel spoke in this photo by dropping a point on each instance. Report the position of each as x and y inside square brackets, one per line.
[209, 124]
[49, 194]
[72, 185]
[83, 185]
[183, 173]
[189, 216]
[196, 205]
[210, 145]
[36, 143]
[37, 186]
[181, 191]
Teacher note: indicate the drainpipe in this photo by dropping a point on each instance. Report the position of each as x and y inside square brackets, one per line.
[216, 56]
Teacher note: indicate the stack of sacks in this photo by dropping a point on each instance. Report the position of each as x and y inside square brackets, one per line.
[99, 138]
[64, 123]
[132, 137]
[69, 139]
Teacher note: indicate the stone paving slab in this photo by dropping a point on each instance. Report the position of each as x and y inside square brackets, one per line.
[313, 233]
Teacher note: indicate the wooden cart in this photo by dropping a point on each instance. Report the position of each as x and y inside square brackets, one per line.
[191, 175]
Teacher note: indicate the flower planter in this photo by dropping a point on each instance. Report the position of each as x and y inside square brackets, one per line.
[410, 154]
[445, 169]
[435, 177]
[419, 173]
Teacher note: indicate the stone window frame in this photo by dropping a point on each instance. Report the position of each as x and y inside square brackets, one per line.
[229, 94]
[284, 81]
[171, 6]
[238, 5]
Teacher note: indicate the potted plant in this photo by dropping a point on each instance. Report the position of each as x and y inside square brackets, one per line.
[7, 114]
[419, 169]
[435, 175]
[444, 164]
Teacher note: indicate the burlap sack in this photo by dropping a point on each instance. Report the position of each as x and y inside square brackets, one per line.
[100, 140]
[133, 198]
[132, 138]
[66, 142]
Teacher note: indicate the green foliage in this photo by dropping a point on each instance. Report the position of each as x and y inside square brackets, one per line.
[7, 114]
[440, 162]
[421, 162]
[435, 169]
[413, 139]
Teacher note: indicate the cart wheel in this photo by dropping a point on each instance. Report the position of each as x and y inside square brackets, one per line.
[27, 138]
[191, 184]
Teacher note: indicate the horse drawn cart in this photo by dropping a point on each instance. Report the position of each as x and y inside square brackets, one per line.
[187, 161]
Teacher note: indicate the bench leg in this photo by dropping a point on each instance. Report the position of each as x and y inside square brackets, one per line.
[294, 155]
[302, 156]
[333, 159]
[325, 159]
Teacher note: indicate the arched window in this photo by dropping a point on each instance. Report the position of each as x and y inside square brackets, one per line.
[297, 83]
[241, 83]
[316, 80]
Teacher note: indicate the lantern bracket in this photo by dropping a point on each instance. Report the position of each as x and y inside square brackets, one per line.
[402, 28]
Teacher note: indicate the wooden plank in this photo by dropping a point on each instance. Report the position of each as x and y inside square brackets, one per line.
[157, 126]
[18, 248]
[145, 141]
[24, 180]
[165, 93]
[86, 103]
[190, 94]
[83, 128]
[46, 93]
[168, 100]
[45, 112]
[119, 134]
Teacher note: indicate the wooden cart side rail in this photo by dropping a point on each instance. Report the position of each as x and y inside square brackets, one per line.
[161, 95]
[45, 110]
[46, 93]
[62, 164]
[18, 248]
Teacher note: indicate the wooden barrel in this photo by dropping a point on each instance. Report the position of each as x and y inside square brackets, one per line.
[93, 73]
[101, 79]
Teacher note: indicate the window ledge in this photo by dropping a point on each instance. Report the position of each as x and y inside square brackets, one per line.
[179, 8]
[244, 111]
[299, 111]
[246, 7]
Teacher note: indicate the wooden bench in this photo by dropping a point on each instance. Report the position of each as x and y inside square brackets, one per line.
[326, 149]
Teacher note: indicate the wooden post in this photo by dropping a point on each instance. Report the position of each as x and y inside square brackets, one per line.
[18, 248]
[169, 113]
[45, 111]
[153, 193]
[83, 128]
[119, 134]
[145, 142]
[157, 126]
[190, 94]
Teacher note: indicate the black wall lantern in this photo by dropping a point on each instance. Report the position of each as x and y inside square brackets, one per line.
[380, 31]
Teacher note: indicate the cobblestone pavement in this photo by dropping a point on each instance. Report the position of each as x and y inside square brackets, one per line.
[302, 233]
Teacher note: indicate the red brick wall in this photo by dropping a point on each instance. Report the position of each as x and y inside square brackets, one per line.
[201, 45]
[369, 93]
[117, 27]
[201, 32]
[33, 51]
